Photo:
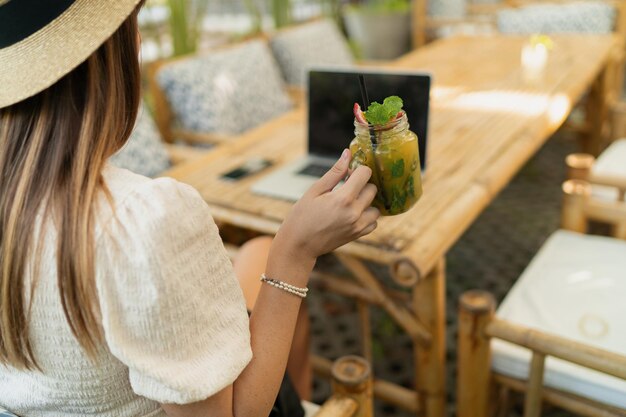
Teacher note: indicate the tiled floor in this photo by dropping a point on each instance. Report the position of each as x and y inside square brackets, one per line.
[490, 256]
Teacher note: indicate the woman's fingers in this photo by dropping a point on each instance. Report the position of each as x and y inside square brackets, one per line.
[337, 173]
[356, 182]
[367, 195]
[368, 229]
[367, 221]
[370, 215]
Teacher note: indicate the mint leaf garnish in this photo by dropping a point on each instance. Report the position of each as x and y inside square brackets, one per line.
[398, 199]
[397, 168]
[410, 186]
[380, 114]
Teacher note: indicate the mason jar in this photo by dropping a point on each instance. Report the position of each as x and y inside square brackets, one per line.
[394, 160]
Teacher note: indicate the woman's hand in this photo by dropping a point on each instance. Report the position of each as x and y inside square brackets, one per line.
[326, 218]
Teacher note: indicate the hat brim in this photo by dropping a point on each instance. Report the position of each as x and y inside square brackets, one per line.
[37, 62]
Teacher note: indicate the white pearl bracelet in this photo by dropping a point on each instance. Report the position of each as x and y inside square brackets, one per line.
[300, 292]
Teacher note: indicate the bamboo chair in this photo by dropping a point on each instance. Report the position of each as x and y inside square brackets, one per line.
[164, 116]
[352, 389]
[481, 391]
[605, 179]
[478, 387]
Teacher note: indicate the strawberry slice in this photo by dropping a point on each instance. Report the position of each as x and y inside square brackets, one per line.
[358, 114]
[399, 115]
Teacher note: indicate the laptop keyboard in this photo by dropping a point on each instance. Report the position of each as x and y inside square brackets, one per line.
[314, 170]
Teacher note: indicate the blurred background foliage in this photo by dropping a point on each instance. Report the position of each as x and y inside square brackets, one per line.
[179, 27]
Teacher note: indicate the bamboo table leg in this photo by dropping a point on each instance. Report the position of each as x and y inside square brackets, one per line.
[596, 114]
[429, 302]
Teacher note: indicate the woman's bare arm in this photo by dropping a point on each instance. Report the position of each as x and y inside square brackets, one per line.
[324, 219]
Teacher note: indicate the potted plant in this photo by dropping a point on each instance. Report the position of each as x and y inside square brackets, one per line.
[186, 24]
[281, 10]
[380, 28]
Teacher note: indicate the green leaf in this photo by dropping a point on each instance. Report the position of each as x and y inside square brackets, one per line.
[397, 168]
[410, 186]
[393, 104]
[380, 114]
[398, 199]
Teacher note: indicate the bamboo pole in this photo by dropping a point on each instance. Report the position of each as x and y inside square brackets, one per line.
[503, 404]
[342, 286]
[400, 314]
[352, 377]
[388, 392]
[618, 121]
[366, 330]
[404, 272]
[162, 114]
[575, 195]
[418, 23]
[572, 403]
[338, 406]
[476, 309]
[579, 166]
[578, 353]
[596, 112]
[605, 211]
[532, 404]
[616, 181]
[430, 361]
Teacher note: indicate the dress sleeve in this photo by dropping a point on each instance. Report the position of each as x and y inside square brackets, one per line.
[172, 309]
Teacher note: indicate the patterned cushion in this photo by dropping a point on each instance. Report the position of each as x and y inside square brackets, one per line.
[227, 91]
[447, 8]
[585, 17]
[144, 153]
[317, 43]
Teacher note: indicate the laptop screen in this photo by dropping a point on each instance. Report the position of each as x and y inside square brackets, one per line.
[332, 94]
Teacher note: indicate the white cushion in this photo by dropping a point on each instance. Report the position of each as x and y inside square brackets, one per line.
[612, 162]
[310, 409]
[227, 91]
[145, 152]
[575, 287]
[317, 43]
[579, 17]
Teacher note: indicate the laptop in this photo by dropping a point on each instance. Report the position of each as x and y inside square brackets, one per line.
[332, 94]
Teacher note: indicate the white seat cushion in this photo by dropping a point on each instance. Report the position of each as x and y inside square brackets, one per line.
[299, 48]
[310, 409]
[579, 17]
[612, 162]
[575, 287]
[226, 91]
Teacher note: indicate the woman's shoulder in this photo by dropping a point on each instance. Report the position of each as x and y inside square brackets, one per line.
[136, 201]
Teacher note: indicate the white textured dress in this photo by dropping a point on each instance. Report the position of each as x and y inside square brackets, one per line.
[173, 315]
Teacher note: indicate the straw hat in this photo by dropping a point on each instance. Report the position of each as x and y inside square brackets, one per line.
[43, 40]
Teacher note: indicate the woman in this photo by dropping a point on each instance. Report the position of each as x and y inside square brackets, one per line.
[116, 295]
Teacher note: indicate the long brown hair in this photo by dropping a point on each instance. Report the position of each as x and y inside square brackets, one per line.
[53, 147]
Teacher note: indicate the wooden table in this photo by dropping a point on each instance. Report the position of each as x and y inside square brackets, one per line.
[486, 122]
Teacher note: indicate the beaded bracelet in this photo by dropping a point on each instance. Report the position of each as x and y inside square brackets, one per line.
[300, 292]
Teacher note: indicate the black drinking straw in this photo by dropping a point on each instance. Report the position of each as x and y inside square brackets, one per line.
[366, 104]
[366, 100]
[376, 173]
